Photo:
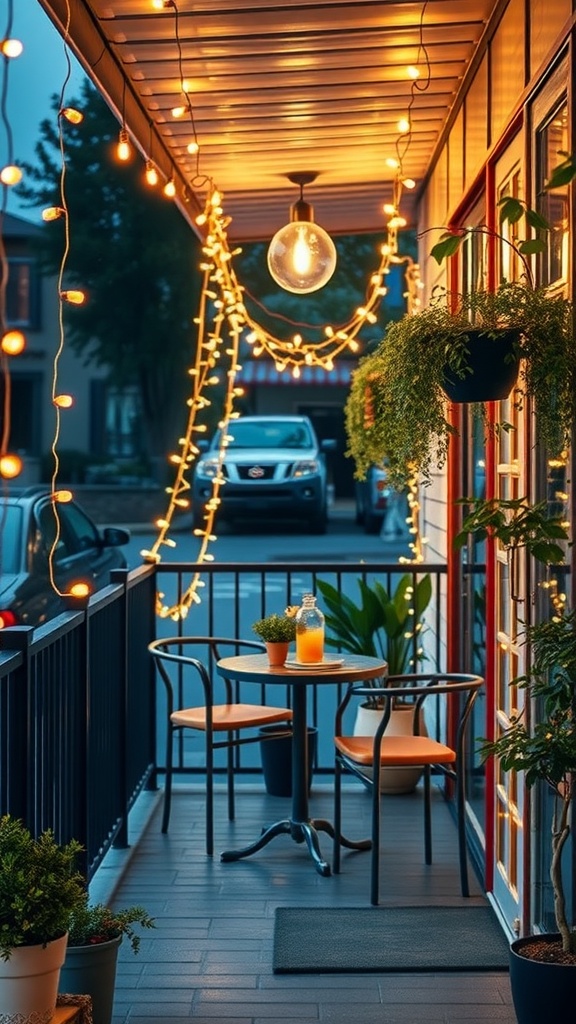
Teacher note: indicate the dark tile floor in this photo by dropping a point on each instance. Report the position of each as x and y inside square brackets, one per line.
[210, 956]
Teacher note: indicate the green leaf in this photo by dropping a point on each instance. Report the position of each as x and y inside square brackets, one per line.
[531, 245]
[511, 209]
[536, 220]
[447, 246]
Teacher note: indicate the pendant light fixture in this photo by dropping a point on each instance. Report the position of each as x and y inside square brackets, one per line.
[301, 256]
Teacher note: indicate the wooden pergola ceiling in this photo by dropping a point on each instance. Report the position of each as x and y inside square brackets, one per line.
[278, 88]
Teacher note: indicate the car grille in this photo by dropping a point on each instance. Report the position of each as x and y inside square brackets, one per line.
[255, 471]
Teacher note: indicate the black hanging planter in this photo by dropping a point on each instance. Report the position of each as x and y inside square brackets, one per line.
[277, 758]
[493, 362]
[540, 989]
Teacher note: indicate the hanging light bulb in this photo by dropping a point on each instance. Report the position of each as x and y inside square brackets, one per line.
[169, 189]
[123, 151]
[301, 256]
[151, 174]
[10, 175]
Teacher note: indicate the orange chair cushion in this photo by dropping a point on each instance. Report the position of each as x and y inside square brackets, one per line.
[230, 716]
[396, 750]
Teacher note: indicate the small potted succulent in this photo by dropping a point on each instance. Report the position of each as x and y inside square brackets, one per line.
[95, 934]
[277, 632]
[40, 887]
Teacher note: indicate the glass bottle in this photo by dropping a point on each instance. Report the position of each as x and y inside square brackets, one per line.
[309, 632]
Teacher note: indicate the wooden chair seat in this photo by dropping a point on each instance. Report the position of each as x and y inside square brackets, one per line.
[231, 716]
[396, 751]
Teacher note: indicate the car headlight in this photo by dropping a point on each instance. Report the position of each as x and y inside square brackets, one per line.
[207, 467]
[308, 467]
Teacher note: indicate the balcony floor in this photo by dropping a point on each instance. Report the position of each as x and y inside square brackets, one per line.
[210, 956]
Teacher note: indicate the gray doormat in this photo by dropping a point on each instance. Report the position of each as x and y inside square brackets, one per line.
[354, 939]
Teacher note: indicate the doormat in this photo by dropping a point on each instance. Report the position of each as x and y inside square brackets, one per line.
[354, 939]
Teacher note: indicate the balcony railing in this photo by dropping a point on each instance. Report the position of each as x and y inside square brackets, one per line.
[80, 720]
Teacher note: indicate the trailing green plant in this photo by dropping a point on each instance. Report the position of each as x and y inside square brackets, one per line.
[276, 628]
[94, 923]
[40, 886]
[546, 750]
[382, 625]
[396, 409]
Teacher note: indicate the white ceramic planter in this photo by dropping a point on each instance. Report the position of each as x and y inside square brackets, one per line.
[392, 780]
[29, 983]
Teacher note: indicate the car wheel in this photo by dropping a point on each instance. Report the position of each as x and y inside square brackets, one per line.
[373, 523]
[319, 523]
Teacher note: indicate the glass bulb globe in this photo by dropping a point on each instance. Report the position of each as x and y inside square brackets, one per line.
[301, 257]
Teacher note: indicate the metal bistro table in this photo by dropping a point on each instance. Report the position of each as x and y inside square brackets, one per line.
[255, 668]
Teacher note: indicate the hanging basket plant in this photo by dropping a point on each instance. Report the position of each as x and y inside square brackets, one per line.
[397, 408]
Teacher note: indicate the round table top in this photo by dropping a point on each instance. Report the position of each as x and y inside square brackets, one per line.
[336, 668]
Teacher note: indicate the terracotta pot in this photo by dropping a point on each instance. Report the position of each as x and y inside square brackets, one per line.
[541, 991]
[277, 654]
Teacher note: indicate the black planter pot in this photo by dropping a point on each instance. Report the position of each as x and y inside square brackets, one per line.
[277, 759]
[91, 970]
[494, 364]
[541, 991]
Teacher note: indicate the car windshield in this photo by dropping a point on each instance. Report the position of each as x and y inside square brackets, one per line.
[279, 434]
[10, 537]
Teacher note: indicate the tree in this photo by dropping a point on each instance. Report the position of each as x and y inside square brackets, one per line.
[133, 253]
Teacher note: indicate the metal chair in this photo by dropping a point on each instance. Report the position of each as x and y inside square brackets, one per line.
[228, 718]
[356, 753]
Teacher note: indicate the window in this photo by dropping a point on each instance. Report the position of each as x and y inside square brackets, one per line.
[22, 294]
[551, 143]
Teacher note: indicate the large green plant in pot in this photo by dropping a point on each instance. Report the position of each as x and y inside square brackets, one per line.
[543, 966]
[382, 625]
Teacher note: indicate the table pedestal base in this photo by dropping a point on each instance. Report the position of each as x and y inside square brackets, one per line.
[301, 832]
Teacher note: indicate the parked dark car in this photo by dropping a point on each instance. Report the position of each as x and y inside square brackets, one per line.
[373, 495]
[274, 466]
[83, 553]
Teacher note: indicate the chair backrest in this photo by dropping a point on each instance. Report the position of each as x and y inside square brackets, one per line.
[199, 653]
[416, 688]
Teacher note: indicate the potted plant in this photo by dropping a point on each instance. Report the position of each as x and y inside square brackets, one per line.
[95, 934]
[277, 632]
[40, 888]
[387, 626]
[543, 966]
[396, 409]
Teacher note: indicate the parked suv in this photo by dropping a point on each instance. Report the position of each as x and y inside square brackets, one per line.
[373, 495]
[273, 466]
[27, 530]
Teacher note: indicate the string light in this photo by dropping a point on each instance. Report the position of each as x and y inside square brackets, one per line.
[13, 343]
[10, 175]
[74, 296]
[123, 149]
[11, 48]
[169, 189]
[72, 115]
[151, 174]
[10, 466]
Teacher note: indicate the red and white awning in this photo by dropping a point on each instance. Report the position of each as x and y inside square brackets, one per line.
[256, 371]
